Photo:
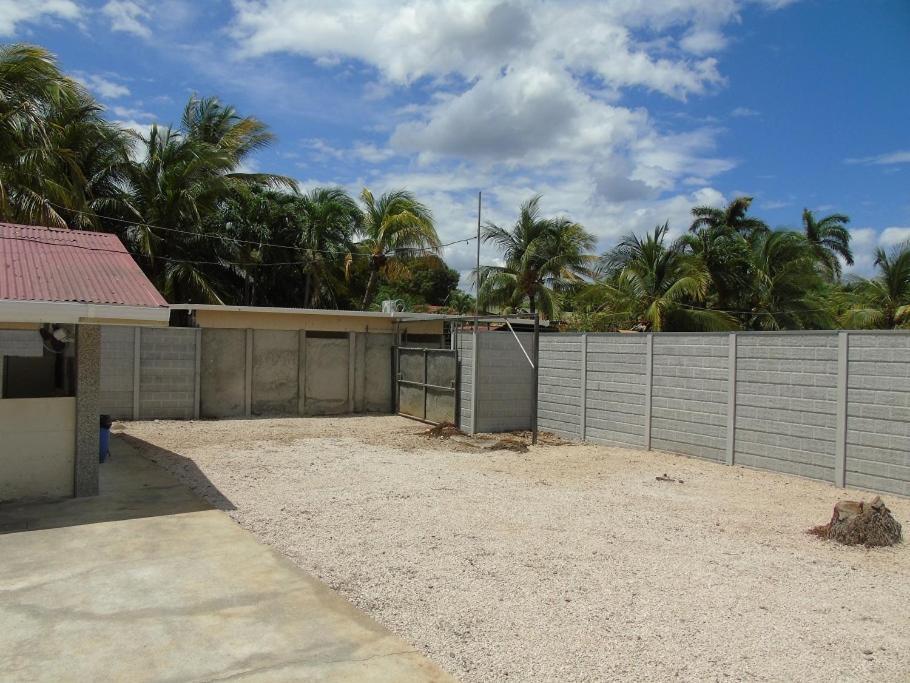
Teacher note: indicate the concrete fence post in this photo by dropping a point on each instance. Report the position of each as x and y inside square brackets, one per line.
[137, 368]
[583, 420]
[301, 373]
[248, 375]
[840, 433]
[649, 381]
[475, 356]
[197, 374]
[731, 399]
[352, 355]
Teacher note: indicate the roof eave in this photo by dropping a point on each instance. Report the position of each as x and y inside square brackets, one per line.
[15, 311]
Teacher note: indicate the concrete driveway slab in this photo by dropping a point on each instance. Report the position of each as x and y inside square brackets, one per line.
[135, 592]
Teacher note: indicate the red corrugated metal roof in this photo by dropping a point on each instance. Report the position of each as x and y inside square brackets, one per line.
[48, 264]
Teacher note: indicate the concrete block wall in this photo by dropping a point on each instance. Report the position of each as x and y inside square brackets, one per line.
[22, 343]
[117, 370]
[504, 381]
[561, 399]
[786, 403]
[878, 412]
[616, 389]
[167, 371]
[689, 394]
[465, 351]
[833, 406]
[184, 373]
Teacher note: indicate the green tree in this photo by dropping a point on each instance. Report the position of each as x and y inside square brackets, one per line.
[330, 220]
[830, 241]
[59, 158]
[544, 258]
[787, 291]
[733, 218]
[651, 285]
[395, 228]
[180, 179]
[882, 302]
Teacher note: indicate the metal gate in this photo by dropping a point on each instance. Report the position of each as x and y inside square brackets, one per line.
[426, 381]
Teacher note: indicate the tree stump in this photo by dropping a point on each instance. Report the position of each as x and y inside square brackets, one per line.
[859, 523]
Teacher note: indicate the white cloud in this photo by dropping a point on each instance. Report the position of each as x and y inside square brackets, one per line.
[103, 86]
[131, 113]
[15, 12]
[893, 236]
[127, 16]
[519, 97]
[864, 242]
[410, 40]
[898, 157]
[744, 112]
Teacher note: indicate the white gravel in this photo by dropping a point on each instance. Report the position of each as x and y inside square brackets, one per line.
[568, 563]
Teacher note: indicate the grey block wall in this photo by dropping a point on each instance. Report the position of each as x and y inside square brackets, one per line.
[275, 372]
[560, 381]
[465, 347]
[616, 389]
[223, 373]
[22, 343]
[833, 406]
[689, 398]
[327, 367]
[377, 373]
[117, 367]
[167, 371]
[237, 372]
[504, 383]
[878, 413]
[786, 403]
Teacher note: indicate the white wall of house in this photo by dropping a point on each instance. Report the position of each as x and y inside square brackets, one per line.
[37, 448]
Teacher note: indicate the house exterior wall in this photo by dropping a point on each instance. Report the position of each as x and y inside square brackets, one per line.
[37, 459]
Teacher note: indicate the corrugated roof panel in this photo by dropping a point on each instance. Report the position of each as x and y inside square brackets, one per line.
[49, 264]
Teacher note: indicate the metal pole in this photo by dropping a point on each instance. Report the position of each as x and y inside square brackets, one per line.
[477, 270]
[535, 374]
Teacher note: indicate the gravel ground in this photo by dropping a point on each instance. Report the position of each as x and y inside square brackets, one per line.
[568, 563]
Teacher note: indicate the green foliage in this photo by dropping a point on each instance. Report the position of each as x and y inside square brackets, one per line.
[544, 259]
[648, 284]
[882, 302]
[205, 230]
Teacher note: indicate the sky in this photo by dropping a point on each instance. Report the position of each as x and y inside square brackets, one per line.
[623, 114]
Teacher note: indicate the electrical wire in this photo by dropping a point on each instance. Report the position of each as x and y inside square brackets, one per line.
[237, 240]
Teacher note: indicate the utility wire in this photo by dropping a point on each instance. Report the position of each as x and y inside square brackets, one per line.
[253, 242]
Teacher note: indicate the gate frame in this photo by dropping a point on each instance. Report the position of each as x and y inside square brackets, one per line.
[424, 385]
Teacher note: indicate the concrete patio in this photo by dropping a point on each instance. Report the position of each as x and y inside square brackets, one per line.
[146, 582]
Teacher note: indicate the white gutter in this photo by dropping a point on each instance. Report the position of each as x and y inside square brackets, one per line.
[13, 311]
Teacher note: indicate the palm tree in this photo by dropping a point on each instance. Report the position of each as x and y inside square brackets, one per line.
[787, 291]
[543, 257]
[59, 159]
[395, 227]
[733, 218]
[330, 218]
[647, 284]
[218, 125]
[179, 181]
[884, 301]
[830, 240]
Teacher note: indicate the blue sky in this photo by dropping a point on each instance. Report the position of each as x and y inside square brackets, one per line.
[622, 113]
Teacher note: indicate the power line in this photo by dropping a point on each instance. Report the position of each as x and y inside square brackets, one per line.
[253, 242]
